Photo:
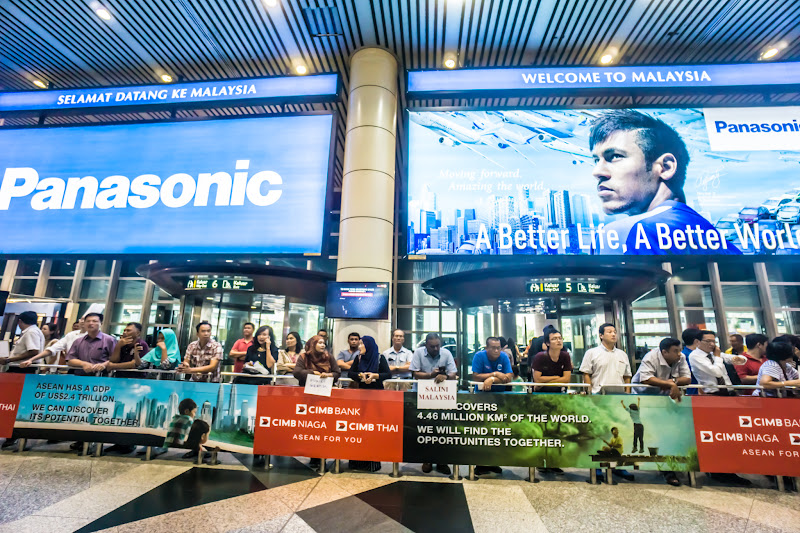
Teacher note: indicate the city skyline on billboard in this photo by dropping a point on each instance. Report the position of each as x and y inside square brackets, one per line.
[595, 182]
[214, 186]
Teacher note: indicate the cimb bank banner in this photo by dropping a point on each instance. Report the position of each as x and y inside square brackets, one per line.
[715, 181]
[253, 185]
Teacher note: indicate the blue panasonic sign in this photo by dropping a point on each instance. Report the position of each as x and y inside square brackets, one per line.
[252, 185]
[323, 86]
[540, 79]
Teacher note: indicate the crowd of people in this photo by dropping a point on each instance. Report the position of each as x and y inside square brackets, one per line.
[768, 367]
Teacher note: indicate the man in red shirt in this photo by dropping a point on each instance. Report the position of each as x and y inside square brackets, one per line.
[240, 347]
[756, 350]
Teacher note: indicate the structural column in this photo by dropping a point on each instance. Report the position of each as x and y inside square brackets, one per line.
[366, 229]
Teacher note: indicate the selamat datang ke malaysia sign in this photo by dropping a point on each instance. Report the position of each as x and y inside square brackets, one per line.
[215, 186]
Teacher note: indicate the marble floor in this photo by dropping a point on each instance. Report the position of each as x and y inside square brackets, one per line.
[49, 489]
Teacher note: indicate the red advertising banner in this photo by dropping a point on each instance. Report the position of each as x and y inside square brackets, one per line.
[10, 392]
[365, 425]
[748, 435]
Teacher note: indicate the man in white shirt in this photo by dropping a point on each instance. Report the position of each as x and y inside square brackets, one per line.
[708, 365]
[61, 346]
[30, 342]
[606, 364]
[398, 356]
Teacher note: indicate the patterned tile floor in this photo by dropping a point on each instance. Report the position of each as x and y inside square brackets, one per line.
[50, 490]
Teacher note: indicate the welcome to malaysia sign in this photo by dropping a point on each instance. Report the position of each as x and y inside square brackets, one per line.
[714, 181]
[320, 87]
[603, 78]
[253, 185]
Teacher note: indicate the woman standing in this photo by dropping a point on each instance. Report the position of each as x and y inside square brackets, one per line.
[315, 360]
[287, 357]
[776, 372]
[261, 356]
[370, 369]
[165, 355]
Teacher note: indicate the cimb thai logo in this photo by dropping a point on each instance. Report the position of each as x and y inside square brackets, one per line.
[144, 191]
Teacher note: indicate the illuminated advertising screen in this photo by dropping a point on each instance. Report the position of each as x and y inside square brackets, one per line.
[713, 181]
[253, 185]
[358, 300]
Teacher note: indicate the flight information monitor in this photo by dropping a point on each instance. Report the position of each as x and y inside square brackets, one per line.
[358, 300]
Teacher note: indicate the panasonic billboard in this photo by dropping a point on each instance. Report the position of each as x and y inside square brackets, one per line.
[252, 185]
[712, 181]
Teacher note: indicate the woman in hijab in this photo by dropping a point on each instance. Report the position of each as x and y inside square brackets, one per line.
[261, 355]
[316, 360]
[370, 368]
[165, 355]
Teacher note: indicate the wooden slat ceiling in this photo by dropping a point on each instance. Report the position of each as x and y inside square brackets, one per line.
[64, 43]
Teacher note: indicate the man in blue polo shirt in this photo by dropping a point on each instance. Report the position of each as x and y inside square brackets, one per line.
[491, 366]
[640, 167]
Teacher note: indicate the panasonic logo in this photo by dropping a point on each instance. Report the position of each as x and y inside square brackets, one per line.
[118, 192]
[764, 127]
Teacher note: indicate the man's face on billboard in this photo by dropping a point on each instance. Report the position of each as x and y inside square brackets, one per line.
[624, 184]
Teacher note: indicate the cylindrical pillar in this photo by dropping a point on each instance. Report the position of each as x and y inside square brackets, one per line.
[366, 228]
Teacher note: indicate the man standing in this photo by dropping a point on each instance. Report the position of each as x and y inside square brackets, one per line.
[708, 365]
[62, 345]
[665, 368]
[640, 167]
[553, 365]
[30, 343]
[491, 366]
[129, 349]
[606, 364]
[737, 344]
[202, 356]
[345, 358]
[90, 354]
[398, 356]
[239, 350]
[434, 362]
[324, 334]
[756, 351]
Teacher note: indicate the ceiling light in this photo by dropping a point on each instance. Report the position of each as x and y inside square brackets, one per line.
[587, 303]
[40, 84]
[229, 260]
[300, 69]
[209, 298]
[270, 3]
[103, 13]
[607, 59]
[772, 52]
[450, 62]
[166, 78]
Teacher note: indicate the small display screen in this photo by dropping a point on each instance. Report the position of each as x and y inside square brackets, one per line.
[358, 300]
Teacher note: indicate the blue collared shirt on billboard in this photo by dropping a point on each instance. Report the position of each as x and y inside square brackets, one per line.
[215, 186]
[671, 228]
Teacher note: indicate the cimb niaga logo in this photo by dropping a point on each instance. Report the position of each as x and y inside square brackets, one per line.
[341, 425]
[301, 409]
[264, 421]
[706, 436]
[745, 422]
[794, 439]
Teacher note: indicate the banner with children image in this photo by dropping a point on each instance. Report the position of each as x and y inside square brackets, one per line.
[133, 411]
[553, 431]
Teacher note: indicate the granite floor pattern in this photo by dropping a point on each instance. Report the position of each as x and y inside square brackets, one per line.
[51, 490]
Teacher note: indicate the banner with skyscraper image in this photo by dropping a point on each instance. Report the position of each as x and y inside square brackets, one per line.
[715, 181]
[135, 411]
